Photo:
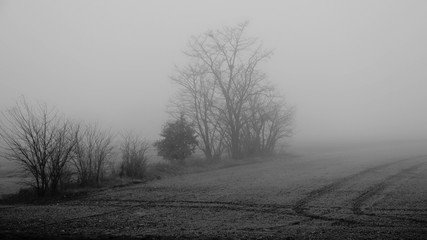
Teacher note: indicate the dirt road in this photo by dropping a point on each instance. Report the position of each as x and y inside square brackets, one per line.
[375, 193]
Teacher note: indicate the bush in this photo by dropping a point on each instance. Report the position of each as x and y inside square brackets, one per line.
[179, 141]
[134, 159]
[91, 155]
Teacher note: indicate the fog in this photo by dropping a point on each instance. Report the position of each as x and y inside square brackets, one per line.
[355, 70]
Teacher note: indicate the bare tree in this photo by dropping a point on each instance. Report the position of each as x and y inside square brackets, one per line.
[134, 156]
[224, 93]
[196, 100]
[232, 61]
[269, 119]
[92, 152]
[40, 141]
[65, 141]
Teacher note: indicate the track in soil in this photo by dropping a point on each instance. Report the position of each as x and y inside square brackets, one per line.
[301, 209]
[141, 204]
[379, 187]
[298, 209]
[376, 189]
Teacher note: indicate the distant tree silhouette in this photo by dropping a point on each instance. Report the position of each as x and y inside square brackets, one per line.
[223, 92]
[179, 140]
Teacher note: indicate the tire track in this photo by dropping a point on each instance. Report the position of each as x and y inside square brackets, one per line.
[369, 193]
[144, 204]
[377, 188]
[300, 207]
[250, 207]
[120, 210]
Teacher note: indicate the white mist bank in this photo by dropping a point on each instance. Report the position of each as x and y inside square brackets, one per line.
[389, 147]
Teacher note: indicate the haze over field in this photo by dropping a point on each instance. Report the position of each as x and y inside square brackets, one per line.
[168, 121]
[355, 70]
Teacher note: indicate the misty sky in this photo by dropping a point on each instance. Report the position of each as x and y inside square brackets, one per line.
[354, 69]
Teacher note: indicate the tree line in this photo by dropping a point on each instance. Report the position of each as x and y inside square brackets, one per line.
[224, 106]
[53, 149]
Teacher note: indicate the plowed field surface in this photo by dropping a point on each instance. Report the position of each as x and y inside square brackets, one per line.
[371, 193]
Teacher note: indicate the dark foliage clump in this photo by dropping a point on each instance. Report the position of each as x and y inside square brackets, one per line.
[179, 140]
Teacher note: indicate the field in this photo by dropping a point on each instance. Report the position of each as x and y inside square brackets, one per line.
[11, 179]
[375, 192]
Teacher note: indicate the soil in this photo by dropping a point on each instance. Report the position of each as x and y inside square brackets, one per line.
[373, 194]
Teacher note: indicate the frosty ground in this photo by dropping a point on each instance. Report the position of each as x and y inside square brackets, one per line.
[374, 192]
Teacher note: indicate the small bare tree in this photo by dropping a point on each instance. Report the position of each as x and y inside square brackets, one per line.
[92, 152]
[134, 158]
[268, 119]
[40, 141]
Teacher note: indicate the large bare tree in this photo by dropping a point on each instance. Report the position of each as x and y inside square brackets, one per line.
[197, 100]
[218, 87]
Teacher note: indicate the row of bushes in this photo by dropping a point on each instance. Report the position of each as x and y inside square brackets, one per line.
[57, 152]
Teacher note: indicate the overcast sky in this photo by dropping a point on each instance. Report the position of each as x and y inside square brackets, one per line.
[356, 70]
